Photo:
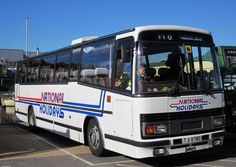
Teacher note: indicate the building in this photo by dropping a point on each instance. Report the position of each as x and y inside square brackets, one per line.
[8, 63]
[13, 55]
[9, 59]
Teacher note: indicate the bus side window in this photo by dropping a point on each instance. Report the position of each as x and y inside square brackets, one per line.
[98, 58]
[62, 66]
[47, 68]
[23, 72]
[19, 71]
[74, 66]
[124, 53]
[33, 70]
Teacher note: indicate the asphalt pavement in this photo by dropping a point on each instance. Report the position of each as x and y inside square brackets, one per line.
[20, 147]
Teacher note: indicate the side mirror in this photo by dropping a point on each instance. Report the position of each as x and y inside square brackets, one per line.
[126, 53]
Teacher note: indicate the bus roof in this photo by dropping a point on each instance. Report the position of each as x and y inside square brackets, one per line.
[134, 30]
[172, 28]
[226, 46]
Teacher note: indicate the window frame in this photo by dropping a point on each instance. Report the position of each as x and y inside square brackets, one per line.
[78, 65]
[112, 39]
[68, 67]
[128, 41]
[45, 56]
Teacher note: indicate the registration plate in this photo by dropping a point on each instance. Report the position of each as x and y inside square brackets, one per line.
[188, 140]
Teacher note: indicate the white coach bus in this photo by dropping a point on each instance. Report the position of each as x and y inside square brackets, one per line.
[143, 92]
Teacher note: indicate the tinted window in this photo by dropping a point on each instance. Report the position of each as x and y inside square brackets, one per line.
[18, 71]
[22, 72]
[97, 63]
[74, 66]
[47, 68]
[62, 66]
[124, 54]
[33, 70]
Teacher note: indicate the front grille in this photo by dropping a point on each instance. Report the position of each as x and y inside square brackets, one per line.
[183, 123]
[191, 125]
[180, 115]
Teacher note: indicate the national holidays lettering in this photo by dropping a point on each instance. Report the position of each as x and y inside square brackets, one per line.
[189, 104]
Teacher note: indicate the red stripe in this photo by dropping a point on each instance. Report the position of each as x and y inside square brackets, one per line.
[29, 98]
[176, 103]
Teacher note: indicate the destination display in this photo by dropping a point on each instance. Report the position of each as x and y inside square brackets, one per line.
[231, 55]
[230, 52]
[175, 36]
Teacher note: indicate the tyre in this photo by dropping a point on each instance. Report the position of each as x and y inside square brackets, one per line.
[94, 138]
[31, 119]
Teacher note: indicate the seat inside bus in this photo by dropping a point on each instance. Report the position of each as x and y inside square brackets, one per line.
[87, 75]
[102, 76]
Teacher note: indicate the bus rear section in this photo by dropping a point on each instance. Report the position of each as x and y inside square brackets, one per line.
[227, 62]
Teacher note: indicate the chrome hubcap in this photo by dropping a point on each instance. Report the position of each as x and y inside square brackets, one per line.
[94, 138]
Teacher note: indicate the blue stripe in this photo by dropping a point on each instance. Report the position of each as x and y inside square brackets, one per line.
[86, 105]
[102, 99]
[103, 102]
[82, 112]
[30, 103]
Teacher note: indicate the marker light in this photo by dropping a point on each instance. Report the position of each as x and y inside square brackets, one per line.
[108, 99]
[150, 129]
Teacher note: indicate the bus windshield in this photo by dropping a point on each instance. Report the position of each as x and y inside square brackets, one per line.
[175, 67]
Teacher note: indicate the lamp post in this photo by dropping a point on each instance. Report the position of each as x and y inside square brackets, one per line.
[26, 36]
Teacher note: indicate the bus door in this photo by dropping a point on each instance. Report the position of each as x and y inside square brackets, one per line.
[122, 103]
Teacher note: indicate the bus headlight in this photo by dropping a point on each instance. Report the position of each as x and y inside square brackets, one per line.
[155, 128]
[233, 111]
[219, 121]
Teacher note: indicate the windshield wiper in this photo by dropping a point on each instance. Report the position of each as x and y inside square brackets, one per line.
[207, 90]
[174, 90]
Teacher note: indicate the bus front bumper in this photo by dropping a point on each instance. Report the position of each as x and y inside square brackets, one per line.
[166, 146]
[191, 143]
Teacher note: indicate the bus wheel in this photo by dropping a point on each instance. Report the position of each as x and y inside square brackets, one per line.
[95, 138]
[31, 119]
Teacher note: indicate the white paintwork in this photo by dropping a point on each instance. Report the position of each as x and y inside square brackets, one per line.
[124, 118]
[139, 152]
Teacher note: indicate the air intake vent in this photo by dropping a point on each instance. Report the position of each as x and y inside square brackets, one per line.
[83, 39]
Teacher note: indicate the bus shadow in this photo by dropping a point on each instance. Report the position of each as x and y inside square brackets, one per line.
[19, 142]
[16, 143]
[55, 138]
[224, 152]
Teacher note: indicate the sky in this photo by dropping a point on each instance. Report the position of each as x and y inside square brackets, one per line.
[53, 24]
